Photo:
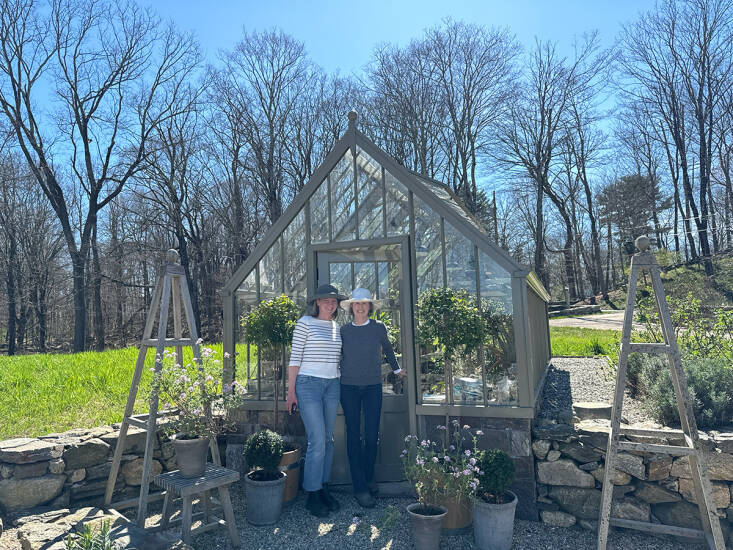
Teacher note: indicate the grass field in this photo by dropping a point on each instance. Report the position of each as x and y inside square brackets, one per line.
[46, 393]
[585, 341]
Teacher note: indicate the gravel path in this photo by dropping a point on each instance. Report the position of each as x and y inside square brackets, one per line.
[575, 379]
[297, 530]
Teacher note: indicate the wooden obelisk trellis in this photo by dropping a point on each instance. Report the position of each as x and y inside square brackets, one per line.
[171, 289]
[710, 532]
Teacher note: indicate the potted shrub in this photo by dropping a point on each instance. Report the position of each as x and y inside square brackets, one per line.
[270, 327]
[199, 406]
[443, 479]
[264, 484]
[494, 505]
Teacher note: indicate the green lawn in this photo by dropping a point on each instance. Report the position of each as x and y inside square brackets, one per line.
[46, 393]
[585, 341]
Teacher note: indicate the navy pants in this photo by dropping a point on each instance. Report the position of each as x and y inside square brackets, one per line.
[362, 452]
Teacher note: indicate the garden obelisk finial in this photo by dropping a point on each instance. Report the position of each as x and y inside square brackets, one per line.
[352, 119]
[172, 256]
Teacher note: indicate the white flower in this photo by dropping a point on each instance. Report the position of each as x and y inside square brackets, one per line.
[479, 432]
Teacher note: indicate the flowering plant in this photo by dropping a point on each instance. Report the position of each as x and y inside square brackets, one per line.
[199, 405]
[438, 473]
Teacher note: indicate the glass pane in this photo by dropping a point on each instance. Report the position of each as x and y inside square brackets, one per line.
[428, 247]
[365, 276]
[499, 351]
[319, 214]
[340, 276]
[271, 273]
[369, 174]
[460, 260]
[383, 280]
[245, 358]
[294, 243]
[398, 211]
[342, 199]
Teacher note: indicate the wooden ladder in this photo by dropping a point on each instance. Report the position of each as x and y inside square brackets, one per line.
[172, 288]
[710, 532]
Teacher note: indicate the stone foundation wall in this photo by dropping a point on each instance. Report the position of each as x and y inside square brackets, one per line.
[71, 468]
[647, 486]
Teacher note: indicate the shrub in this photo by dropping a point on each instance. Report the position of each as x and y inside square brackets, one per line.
[91, 539]
[272, 322]
[710, 381]
[450, 317]
[496, 474]
[263, 452]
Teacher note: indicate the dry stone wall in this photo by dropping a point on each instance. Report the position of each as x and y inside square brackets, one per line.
[71, 468]
[647, 486]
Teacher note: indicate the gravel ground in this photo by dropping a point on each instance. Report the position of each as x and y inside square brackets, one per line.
[297, 530]
[575, 379]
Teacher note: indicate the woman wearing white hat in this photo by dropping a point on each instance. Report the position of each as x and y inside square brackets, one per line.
[364, 344]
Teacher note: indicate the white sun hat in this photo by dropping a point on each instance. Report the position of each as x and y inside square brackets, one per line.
[362, 295]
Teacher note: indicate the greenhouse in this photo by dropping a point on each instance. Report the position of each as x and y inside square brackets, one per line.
[365, 221]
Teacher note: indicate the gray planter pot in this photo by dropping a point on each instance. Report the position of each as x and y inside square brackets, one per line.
[191, 456]
[426, 528]
[493, 524]
[264, 500]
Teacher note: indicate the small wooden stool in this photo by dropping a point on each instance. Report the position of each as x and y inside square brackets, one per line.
[215, 477]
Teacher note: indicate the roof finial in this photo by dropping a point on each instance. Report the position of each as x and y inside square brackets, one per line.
[172, 256]
[643, 243]
[352, 119]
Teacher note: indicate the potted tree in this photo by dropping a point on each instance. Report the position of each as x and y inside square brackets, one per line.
[264, 484]
[494, 505]
[270, 326]
[449, 319]
[197, 404]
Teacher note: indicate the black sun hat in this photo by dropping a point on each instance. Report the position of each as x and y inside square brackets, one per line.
[326, 291]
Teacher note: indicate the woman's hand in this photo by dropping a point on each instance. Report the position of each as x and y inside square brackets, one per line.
[292, 401]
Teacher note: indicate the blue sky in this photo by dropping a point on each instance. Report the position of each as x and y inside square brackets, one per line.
[340, 35]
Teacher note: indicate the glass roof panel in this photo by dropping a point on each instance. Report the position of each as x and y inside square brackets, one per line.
[294, 269]
[369, 179]
[248, 289]
[428, 247]
[271, 273]
[441, 191]
[495, 281]
[341, 180]
[398, 207]
[319, 214]
[460, 260]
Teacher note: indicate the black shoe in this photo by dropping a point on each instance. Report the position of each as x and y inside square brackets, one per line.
[328, 499]
[315, 505]
[373, 488]
[365, 500]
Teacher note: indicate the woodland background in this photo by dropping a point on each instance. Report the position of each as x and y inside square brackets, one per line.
[117, 142]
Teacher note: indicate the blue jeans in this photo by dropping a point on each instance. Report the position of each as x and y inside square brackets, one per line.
[354, 400]
[318, 402]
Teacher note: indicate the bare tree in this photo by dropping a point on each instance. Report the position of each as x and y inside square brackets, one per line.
[116, 74]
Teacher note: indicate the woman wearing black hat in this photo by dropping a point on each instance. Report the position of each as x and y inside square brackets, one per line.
[314, 388]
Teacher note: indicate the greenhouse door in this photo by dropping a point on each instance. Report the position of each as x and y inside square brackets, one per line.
[384, 270]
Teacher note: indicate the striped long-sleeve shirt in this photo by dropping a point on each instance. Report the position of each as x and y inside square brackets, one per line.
[316, 347]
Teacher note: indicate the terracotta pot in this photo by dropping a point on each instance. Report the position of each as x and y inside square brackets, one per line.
[426, 526]
[191, 456]
[290, 464]
[460, 514]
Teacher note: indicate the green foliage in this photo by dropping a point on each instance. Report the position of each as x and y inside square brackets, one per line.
[495, 476]
[701, 332]
[393, 332]
[439, 473]
[263, 451]
[498, 334]
[450, 317]
[92, 539]
[272, 322]
[710, 381]
[194, 392]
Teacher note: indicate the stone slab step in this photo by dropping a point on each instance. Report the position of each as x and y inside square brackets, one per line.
[592, 410]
